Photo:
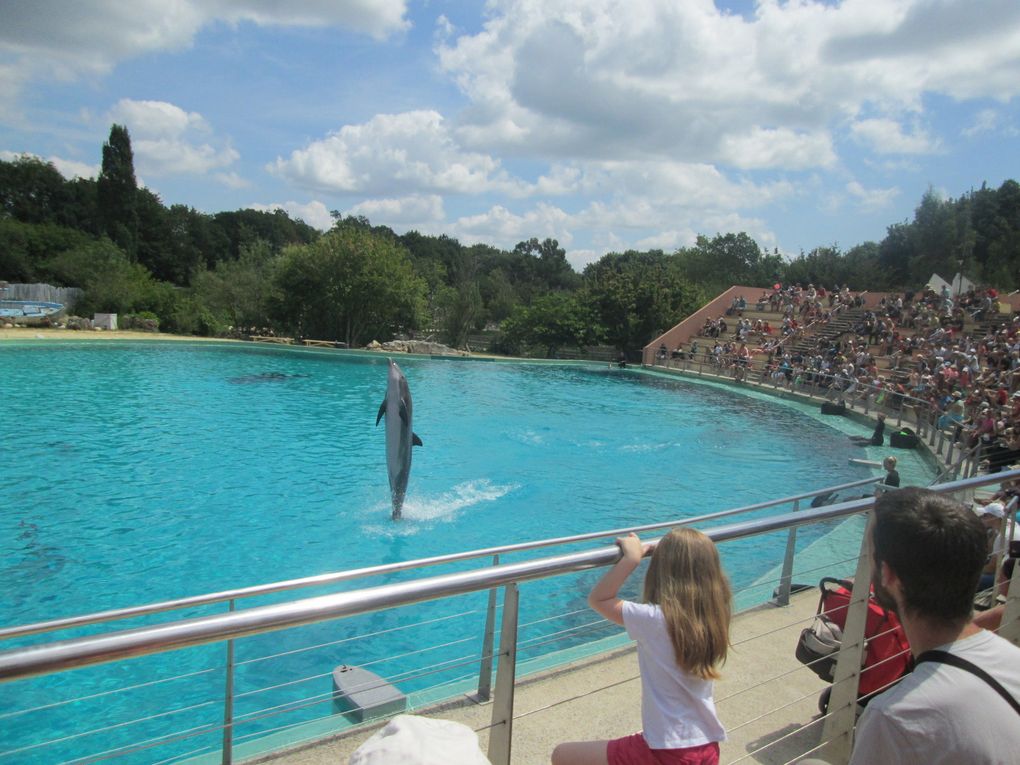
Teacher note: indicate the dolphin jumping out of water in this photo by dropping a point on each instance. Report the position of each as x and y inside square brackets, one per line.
[399, 436]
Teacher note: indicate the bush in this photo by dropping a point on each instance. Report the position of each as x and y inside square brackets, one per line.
[146, 321]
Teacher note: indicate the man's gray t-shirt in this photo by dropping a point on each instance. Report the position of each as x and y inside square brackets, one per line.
[943, 715]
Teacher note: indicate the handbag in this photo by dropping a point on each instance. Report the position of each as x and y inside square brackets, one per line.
[818, 646]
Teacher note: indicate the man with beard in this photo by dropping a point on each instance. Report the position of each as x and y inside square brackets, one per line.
[928, 552]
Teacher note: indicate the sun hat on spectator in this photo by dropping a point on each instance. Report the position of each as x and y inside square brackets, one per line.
[414, 740]
[996, 509]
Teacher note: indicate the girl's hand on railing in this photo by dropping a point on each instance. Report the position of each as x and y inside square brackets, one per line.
[632, 548]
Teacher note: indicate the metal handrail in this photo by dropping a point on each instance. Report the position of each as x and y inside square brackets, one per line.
[921, 406]
[82, 620]
[970, 454]
[97, 649]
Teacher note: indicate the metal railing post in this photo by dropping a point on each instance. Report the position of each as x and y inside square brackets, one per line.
[1010, 628]
[839, 723]
[501, 728]
[228, 705]
[485, 671]
[786, 578]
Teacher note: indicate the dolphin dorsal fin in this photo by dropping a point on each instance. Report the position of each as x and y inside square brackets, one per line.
[403, 414]
[382, 411]
[415, 441]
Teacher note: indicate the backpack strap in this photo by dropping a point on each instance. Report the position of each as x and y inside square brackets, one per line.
[945, 657]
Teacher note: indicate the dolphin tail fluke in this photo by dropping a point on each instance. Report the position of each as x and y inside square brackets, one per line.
[415, 441]
[382, 411]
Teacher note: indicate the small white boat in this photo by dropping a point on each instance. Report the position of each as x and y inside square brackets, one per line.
[29, 312]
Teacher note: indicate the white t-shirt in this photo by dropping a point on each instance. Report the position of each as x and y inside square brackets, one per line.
[999, 551]
[677, 709]
[943, 715]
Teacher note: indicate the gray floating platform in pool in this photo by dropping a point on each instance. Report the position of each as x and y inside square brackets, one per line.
[364, 695]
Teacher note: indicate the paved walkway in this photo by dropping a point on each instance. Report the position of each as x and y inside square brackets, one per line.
[765, 699]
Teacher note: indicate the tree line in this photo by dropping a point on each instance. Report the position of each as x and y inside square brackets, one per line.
[253, 272]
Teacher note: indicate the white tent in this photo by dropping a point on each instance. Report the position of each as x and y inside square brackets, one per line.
[961, 284]
[936, 283]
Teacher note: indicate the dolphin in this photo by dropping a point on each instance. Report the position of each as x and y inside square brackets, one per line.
[399, 436]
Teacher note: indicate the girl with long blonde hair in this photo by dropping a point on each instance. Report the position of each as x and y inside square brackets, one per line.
[682, 635]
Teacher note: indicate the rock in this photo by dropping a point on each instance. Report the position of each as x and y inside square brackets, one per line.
[77, 322]
[423, 347]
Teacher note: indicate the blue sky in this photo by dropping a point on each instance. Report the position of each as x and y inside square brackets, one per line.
[606, 124]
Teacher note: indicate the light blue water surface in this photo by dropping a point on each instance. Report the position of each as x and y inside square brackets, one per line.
[142, 472]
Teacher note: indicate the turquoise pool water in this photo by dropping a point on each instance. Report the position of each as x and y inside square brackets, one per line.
[142, 472]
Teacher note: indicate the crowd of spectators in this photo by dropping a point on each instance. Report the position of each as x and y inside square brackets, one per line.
[953, 359]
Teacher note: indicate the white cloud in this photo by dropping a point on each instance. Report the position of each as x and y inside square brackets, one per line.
[314, 213]
[72, 168]
[561, 179]
[415, 210]
[886, 136]
[782, 147]
[501, 227]
[232, 180]
[167, 140]
[871, 200]
[444, 29]
[667, 240]
[69, 168]
[394, 153]
[581, 258]
[687, 81]
[157, 119]
[985, 121]
[54, 39]
[378, 18]
[678, 186]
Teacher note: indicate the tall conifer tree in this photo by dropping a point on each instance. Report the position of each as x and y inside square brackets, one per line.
[117, 191]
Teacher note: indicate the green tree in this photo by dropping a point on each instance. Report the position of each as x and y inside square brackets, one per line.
[498, 296]
[117, 191]
[243, 228]
[238, 293]
[458, 309]
[728, 259]
[996, 220]
[553, 321]
[547, 268]
[25, 249]
[351, 285]
[938, 240]
[894, 255]
[636, 295]
[829, 266]
[32, 191]
[153, 244]
[112, 283]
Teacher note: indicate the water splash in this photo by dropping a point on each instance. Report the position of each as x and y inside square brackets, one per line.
[423, 511]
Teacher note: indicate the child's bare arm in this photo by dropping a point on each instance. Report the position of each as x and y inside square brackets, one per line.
[603, 596]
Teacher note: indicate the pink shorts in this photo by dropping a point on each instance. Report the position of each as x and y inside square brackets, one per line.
[632, 750]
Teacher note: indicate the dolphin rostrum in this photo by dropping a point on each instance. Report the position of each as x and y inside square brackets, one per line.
[399, 436]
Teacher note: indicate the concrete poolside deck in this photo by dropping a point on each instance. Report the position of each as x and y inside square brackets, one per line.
[765, 699]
